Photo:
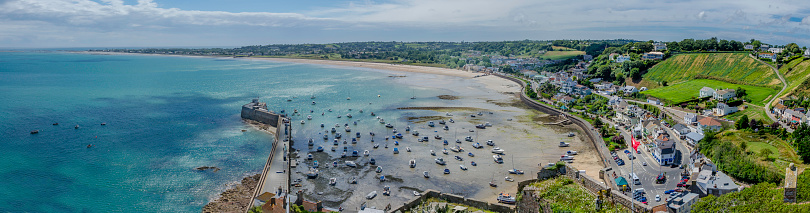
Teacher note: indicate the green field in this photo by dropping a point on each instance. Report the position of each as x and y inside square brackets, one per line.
[753, 112]
[796, 72]
[560, 55]
[730, 67]
[687, 90]
[782, 151]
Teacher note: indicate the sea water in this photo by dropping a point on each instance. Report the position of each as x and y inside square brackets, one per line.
[165, 116]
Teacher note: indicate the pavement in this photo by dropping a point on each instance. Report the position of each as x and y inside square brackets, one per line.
[768, 105]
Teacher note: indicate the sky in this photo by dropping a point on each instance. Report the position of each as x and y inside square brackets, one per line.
[233, 23]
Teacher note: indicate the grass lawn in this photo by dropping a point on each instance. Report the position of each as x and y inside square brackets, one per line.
[687, 90]
[753, 112]
[737, 68]
[559, 55]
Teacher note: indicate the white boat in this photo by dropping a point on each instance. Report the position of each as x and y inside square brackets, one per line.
[437, 137]
[351, 164]
[440, 161]
[448, 114]
[430, 124]
[487, 124]
[412, 163]
[302, 122]
[566, 157]
[426, 174]
[477, 146]
[389, 125]
[348, 129]
[415, 133]
[312, 173]
[571, 134]
[313, 103]
[497, 158]
[432, 153]
[382, 121]
[515, 171]
[379, 169]
[442, 122]
[408, 149]
[463, 167]
[371, 195]
[564, 144]
[349, 115]
[454, 149]
[509, 179]
[415, 193]
[571, 152]
[497, 150]
[446, 128]
[365, 153]
[444, 151]
[309, 117]
[332, 181]
[387, 191]
[490, 142]
[451, 121]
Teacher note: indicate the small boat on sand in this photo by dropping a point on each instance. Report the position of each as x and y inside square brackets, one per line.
[372, 161]
[332, 181]
[426, 174]
[412, 163]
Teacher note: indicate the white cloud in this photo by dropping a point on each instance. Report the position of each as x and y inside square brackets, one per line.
[114, 22]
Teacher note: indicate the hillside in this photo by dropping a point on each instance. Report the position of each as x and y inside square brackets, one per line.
[690, 89]
[796, 73]
[735, 68]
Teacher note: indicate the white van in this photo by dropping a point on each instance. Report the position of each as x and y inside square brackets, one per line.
[636, 181]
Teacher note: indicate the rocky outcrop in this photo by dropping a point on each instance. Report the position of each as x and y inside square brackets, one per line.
[203, 168]
[235, 199]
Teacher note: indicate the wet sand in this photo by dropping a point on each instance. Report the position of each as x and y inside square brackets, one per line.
[528, 145]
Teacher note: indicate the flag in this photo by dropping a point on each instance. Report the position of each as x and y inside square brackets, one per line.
[634, 143]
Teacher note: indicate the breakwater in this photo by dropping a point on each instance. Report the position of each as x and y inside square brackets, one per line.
[257, 111]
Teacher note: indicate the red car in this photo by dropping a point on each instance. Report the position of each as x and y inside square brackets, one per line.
[679, 190]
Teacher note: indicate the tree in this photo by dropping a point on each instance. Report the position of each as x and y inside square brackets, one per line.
[742, 123]
[801, 140]
[597, 123]
[793, 48]
[741, 92]
[765, 153]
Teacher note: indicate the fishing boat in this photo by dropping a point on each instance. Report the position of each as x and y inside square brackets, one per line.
[353, 181]
[372, 161]
[396, 151]
[315, 164]
[379, 169]
[490, 142]
[371, 195]
[412, 163]
[382, 121]
[440, 161]
[458, 158]
[446, 128]
[451, 121]
[348, 129]
[334, 130]
[338, 135]
[408, 149]
[464, 168]
[473, 163]
[477, 146]
[446, 171]
[355, 153]
[470, 154]
[437, 137]
[351, 164]
[408, 128]
[430, 124]
[506, 198]
[445, 142]
[320, 149]
[376, 146]
[309, 156]
[432, 153]
[497, 150]
[349, 115]
[426, 174]
[389, 125]
[365, 153]
[444, 151]
[321, 125]
[509, 179]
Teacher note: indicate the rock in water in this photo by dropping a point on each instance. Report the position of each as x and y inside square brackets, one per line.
[203, 168]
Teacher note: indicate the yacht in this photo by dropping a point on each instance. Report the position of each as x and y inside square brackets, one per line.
[498, 159]
[412, 163]
[389, 125]
[489, 142]
[497, 150]
[351, 164]
[426, 174]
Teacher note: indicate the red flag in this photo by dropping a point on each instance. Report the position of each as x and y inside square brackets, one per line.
[634, 143]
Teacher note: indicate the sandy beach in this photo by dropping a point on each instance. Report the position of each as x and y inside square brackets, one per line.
[520, 131]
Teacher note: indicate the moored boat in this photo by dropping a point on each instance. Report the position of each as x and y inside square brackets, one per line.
[412, 163]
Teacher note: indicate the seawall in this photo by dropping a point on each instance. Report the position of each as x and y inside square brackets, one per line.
[257, 111]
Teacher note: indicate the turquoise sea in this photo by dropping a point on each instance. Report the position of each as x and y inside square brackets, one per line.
[164, 116]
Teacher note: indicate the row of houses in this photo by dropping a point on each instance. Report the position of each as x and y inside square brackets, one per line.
[792, 117]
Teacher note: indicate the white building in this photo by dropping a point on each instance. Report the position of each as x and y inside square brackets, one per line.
[660, 46]
[690, 118]
[724, 94]
[629, 89]
[622, 58]
[682, 202]
[664, 151]
[775, 50]
[749, 47]
[723, 109]
[706, 92]
[807, 52]
[614, 100]
[653, 56]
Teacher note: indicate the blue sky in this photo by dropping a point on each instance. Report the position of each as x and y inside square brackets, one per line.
[163, 23]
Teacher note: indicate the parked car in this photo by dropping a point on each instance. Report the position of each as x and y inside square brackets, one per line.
[669, 191]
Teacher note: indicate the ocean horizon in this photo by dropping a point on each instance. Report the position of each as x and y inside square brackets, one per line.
[164, 117]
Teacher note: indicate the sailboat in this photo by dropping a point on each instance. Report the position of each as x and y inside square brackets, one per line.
[413, 94]
[513, 170]
[349, 97]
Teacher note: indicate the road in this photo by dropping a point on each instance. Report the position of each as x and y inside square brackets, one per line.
[784, 86]
[648, 174]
